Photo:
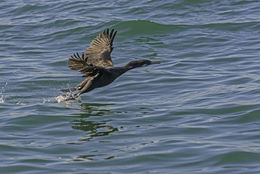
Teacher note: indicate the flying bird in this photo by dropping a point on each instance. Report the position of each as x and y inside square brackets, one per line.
[97, 66]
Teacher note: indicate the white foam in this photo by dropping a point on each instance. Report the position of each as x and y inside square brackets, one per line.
[2, 100]
[65, 98]
[47, 100]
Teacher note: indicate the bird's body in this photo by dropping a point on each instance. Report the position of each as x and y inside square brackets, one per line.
[96, 64]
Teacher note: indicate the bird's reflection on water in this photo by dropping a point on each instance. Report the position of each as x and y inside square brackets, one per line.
[94, 127]
[93, 121]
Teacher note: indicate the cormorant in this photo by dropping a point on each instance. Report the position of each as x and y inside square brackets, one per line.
[97, 66]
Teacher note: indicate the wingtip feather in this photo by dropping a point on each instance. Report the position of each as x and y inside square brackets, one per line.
[76, 62]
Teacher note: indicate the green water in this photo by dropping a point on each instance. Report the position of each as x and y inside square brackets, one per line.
[196, 112]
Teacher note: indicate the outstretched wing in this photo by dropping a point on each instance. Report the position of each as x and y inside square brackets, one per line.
[98, 53]
[92, 70]
[77, 62]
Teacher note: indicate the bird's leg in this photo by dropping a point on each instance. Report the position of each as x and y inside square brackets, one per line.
[79, 86]
[86, 87]
[82, 84]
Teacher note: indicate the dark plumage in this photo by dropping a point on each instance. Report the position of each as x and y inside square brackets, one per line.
[97, 66]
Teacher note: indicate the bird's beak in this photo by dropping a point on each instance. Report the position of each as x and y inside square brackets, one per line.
[155, 62]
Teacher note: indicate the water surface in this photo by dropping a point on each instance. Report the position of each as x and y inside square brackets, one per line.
[196, 112]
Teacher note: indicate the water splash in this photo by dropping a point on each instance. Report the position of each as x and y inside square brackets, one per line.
[65, 98]
[2, 97]
[47, 100]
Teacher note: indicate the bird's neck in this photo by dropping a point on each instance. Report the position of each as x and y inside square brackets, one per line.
[118, 71]
[129, 66]
[122, 70]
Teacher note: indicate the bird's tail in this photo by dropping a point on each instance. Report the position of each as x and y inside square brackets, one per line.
[76, 62]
